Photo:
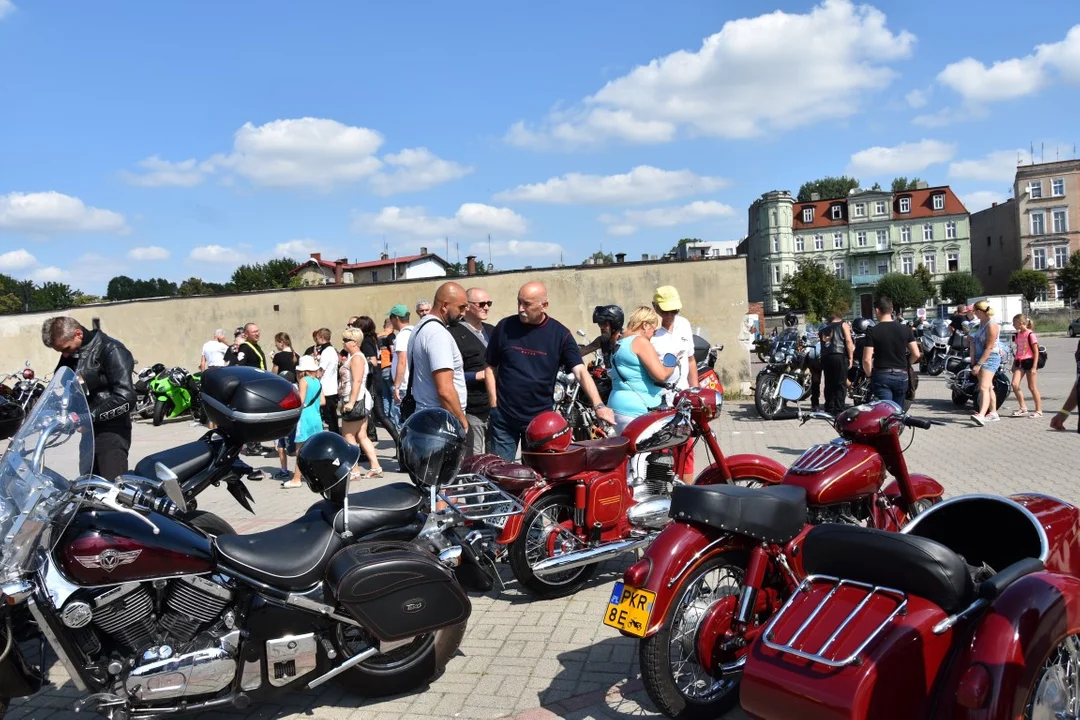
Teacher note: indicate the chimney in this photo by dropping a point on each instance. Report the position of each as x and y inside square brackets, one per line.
[470, 264]
[620, 258]
[317, 257]
[338, 271]
[384, 256]
[814, 197]
[423, 251]
[993, 204]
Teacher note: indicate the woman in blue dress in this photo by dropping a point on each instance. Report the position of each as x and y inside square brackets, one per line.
[310, 422]
[636, 372]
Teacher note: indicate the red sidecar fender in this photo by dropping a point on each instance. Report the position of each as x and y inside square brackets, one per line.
[743, 466]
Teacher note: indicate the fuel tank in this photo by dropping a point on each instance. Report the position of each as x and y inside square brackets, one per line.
[657, 430]
[106, 547]
[837, 472]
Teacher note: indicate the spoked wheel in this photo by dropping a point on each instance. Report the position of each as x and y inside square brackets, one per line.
[399, 670]
[670, 660]
[1055, 694]
[766, 398]
[546, 531]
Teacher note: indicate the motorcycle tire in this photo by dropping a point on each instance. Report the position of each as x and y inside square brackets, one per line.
[764, 386]
[655, 652]
[937, 365]
[208, 522]
[574, 579]
[403, 669]
[145, 408]
[959, 399]
[162, 409]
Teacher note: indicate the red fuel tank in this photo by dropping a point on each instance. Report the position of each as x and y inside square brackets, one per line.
[105, 548]
[837, 472]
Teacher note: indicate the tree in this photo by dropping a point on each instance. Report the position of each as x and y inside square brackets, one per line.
[904, 290]
[1029, 283]
[53, 296]
[816, 290]
[875, 186]
[900, 184]
[459, 269]
[602, 258]
[82, 298]
[120, 287]
[1069, 277]
[828, 188]
[10, 303]
[926, 280]
[957, 287]
[265, 276]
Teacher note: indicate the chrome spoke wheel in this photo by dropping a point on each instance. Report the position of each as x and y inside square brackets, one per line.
[694, 681]
[1056, 692]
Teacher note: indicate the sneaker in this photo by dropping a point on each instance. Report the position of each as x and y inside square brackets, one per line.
[993, 417]
[979, 419]
[282, 475]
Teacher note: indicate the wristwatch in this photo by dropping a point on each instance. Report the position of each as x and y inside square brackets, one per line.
[599, 406]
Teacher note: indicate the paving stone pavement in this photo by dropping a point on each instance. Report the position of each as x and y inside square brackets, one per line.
[529, 659]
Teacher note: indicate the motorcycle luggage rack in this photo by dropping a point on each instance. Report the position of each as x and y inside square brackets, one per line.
[819, 656]
[475, 498]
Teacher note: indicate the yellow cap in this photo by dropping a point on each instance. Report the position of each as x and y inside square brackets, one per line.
[667, 298]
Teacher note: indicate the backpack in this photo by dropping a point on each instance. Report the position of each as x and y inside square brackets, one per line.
[1042, 358]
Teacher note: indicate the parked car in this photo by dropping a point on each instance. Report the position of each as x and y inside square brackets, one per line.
[1074, 327]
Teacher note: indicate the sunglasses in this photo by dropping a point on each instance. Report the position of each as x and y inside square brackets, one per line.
[484, 304]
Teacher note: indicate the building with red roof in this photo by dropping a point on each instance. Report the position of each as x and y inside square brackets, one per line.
[316, 271]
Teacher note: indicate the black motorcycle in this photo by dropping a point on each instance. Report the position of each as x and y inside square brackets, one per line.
[965, 386]
[794, 356]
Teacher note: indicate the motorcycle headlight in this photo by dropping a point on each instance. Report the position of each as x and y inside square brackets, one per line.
[560, 392]
[778, 357]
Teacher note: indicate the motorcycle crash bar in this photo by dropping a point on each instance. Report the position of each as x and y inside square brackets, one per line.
[589, 556]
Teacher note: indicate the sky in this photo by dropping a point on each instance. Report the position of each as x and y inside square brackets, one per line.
[181, 139]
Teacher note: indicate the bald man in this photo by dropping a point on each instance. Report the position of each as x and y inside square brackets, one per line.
[526, 352]
[434, 361]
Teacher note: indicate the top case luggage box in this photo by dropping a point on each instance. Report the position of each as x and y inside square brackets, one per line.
[250, 405]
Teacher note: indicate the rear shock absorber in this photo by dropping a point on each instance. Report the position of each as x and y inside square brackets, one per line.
[579, 506]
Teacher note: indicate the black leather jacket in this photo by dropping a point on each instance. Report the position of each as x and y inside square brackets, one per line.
[105, 366]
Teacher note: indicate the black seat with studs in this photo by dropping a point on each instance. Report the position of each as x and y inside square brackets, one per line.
[773, 514]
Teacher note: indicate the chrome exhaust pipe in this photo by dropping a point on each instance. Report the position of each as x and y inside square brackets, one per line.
[589, 556]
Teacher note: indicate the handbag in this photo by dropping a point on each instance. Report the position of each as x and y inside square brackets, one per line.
[913, 383]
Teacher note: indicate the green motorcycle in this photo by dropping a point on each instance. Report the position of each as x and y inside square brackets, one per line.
[176, 392]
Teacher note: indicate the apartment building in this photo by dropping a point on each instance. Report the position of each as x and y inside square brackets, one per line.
[860, 237]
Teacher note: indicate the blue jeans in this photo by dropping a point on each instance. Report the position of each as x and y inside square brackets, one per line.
[387, 390]
[889, 385]
[505, 433]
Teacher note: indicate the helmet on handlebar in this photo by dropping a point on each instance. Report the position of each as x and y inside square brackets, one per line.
[432, 447]
[791, 320]
[325, 460]
[548, 432]
[609, 314]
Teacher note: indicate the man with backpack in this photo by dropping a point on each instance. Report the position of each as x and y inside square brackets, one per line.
[837, 356]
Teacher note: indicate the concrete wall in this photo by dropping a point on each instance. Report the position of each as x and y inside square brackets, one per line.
[172, 331]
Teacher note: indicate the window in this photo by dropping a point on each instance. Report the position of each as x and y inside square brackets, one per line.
[929, 260]
[864, 267]
[860, 210]
[1038, 223]
[839, 268]
[882, 266]
[800, 243]
[883, 239]
[819, 242]
[374, 276]
[1061, 221]
[953, 261]
[838, 240]
[879, 207]
[1035, 189]
[908, 264]
[1059, 291]
[1057, 187]
[950, 230]
[837, 212]
[1038, 258]
[905, 234]
[927, 232]
[776, 274]
[860, 238]
[939, 201]
[808, 214]
[1061, 256]
[776, 243]
[905, 204]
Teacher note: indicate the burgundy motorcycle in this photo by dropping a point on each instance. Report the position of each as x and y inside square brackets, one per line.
[151, 616]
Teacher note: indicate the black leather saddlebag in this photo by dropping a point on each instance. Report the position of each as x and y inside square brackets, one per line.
[396, 590]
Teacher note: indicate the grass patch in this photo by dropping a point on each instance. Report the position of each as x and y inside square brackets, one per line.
[1050, 324]
[731, 394]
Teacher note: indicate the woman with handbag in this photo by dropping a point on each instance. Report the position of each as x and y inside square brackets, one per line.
[310, 423]
[637, 370]
[357, 400]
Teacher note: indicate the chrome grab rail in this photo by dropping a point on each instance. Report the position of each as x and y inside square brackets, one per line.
[473, 497]
[818, 656]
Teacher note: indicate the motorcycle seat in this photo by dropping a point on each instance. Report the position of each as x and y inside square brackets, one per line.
[584, 456]
[184, 460]
[290, 557]
[605, 453]
[908, 563]
[774, 514]
[388, 506]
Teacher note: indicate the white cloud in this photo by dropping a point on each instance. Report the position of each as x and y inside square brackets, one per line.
[150, 252]
[216, 254]
[982, 199]
[903, 158]
[49, 273]
[16, 260]
[510, 248]
[416, 169]
[629, 221]
[161, 173]
[470, 219]
[756, 76]
[299, 249]
[53, 213]
[6, 7]
[917, 98]
[999, 166]
[642, 184]
[950, 116]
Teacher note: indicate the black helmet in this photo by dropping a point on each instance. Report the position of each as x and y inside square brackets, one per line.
[158, 368]
[860, 325]
[610, 314]
[432, 447]
[791, 320]
[325, 461]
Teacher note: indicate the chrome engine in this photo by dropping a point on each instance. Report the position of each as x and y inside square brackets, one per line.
[653, 475]
[857, 513]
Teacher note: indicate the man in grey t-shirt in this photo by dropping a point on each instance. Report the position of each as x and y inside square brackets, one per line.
[438, 372]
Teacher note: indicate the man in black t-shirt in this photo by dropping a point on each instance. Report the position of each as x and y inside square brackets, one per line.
[472, 335]
[890, 349]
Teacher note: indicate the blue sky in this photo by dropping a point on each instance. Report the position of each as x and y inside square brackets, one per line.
[179, 139]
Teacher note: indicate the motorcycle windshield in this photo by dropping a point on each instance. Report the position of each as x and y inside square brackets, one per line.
[940, 328]
[55, 443]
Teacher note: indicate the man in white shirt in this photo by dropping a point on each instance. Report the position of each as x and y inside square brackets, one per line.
[675, 336]
[213, 351]
[328, 358]
[438, 369]
[399, 363]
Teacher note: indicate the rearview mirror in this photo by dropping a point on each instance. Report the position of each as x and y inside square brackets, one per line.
[669, 360]
[171, 485]
[581, 333]
[791, 390]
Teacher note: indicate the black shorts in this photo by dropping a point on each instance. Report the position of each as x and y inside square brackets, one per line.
[1024, 365]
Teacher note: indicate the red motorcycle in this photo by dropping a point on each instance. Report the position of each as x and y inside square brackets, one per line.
[712, 579]
[592, 501]
[972, 612]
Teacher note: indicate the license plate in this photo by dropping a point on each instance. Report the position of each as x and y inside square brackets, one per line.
[629, 609]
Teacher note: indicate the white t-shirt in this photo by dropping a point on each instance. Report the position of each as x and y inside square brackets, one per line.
[401, 344]
[434, 349]
[328, 363]
[214, 353]
[679, 340]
